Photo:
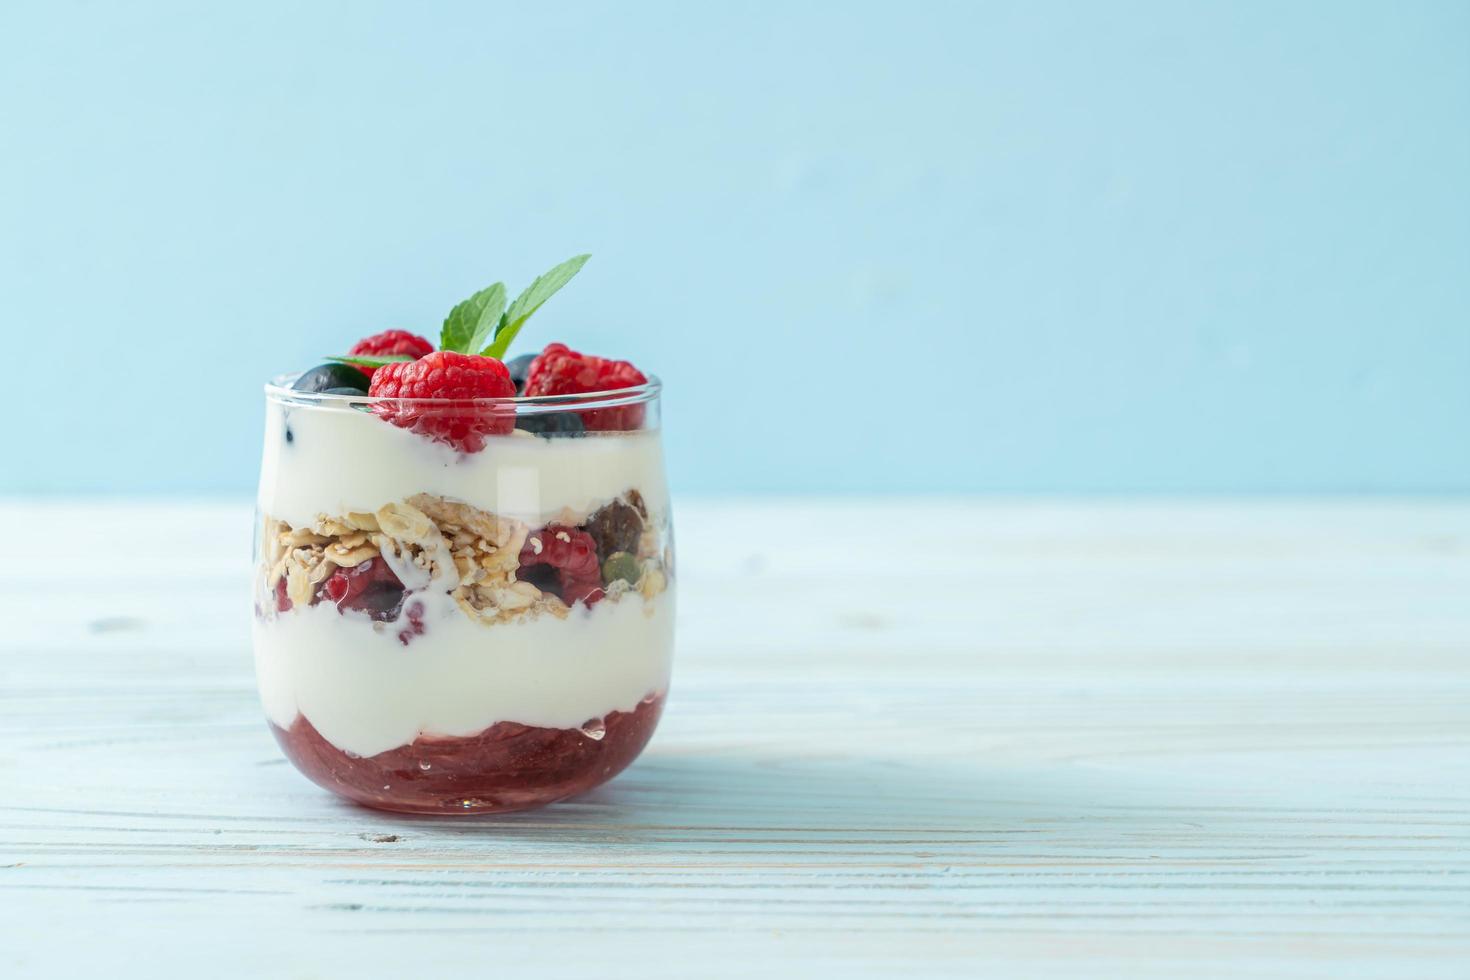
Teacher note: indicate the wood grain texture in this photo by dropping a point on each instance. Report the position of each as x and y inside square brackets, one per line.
[925, 737]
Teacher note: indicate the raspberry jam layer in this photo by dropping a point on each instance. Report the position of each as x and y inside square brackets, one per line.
[508, 766]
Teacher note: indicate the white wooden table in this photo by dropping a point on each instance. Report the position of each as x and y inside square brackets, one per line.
[1209, 739]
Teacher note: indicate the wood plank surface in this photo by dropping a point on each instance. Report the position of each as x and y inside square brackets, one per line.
[922, 737]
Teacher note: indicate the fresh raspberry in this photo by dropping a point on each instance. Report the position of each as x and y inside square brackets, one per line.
[388, 343]
[563, 561]
[453, 379]
[558, 370]
[369, 587]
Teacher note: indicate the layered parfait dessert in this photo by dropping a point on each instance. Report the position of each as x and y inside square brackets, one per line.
[463, 596]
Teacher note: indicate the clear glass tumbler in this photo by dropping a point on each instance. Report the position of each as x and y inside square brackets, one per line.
[448, 631]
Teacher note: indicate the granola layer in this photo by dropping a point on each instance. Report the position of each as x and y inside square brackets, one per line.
[437, 545]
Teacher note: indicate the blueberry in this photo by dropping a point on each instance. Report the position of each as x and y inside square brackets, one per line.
[325, 377]
[552, 424]
[341, 391]
[519, 367]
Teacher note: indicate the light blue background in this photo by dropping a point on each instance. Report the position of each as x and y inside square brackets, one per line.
[870, 247]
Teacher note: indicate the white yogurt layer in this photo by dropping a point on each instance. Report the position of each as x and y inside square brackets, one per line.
[367, 692]
[343, 459]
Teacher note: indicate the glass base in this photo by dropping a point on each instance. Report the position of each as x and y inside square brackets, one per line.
[506, 767]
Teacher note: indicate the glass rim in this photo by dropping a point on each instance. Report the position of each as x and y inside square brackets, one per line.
[279, 389]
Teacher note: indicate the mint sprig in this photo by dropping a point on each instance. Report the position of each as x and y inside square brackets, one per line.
[367, 360]
[472, 324]
[528, 302]
[482, 324]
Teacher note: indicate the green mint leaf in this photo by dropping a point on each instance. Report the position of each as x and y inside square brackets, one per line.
[365, 360]
[530, 301]
[471, 324]
[491, 314]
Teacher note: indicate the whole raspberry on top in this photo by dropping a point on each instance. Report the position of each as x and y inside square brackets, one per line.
[563, 561]
[447, 375]
[387, 344]
[559, 370]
